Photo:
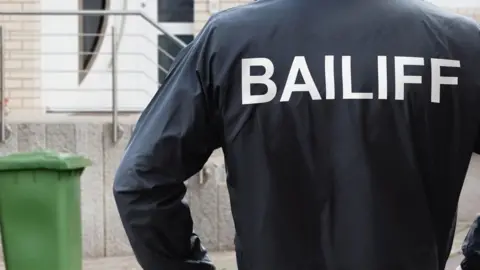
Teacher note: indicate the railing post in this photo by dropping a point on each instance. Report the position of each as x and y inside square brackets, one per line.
[116, 129]
[4, 129]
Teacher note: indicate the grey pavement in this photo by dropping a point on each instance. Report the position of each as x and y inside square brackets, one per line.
[223, 261]
[226, 260]
[455, 255]
[453, 262]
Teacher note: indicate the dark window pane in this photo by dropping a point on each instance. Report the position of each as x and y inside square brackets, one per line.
[172, 48]
[90, 29]
[175, 11]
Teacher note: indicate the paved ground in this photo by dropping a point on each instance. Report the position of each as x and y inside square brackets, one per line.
[454, 262]
[226, 260]
[223, 261]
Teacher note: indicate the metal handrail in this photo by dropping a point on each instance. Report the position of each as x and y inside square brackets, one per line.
[97, 13]
[122, 29]
[116, 129]
[115, 126]
[33, 37]
[124, 71]
[160, 67]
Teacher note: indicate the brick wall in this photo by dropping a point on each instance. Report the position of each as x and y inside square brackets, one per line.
[22, 55]
[471, 12]
[202, 10]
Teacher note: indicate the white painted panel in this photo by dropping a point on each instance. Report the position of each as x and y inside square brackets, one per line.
[137, 60]
[58, 50]
[178, 28]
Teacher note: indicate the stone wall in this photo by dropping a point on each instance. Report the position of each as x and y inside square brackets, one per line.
[103, 234]
[22, 54]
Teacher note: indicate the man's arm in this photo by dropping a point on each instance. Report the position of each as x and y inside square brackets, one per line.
[173, 139]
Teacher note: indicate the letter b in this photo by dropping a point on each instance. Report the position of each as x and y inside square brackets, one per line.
[248, 79]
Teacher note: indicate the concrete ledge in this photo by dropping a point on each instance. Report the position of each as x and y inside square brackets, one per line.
[103, 233]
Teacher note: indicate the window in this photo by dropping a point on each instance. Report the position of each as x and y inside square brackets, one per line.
[175, 11]
[91, 34]
[172, 48]
[177, 17]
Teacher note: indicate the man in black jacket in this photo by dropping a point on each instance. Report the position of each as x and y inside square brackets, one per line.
[347, 128]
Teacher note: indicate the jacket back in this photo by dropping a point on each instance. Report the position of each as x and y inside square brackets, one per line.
[349, 127]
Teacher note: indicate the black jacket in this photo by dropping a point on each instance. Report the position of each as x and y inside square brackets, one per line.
[347, 128]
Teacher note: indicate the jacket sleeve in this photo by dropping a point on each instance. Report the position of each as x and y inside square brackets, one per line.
[172, 140]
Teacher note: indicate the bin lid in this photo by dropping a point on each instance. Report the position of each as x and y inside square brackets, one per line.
[49, 160]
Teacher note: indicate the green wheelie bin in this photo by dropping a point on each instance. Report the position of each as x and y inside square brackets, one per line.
[40, 218]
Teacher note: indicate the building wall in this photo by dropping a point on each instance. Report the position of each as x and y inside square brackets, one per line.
[205, 8]
[471, 12]
[136, 51]
[22, 58]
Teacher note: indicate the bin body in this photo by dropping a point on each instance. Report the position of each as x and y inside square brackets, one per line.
[40, 215]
